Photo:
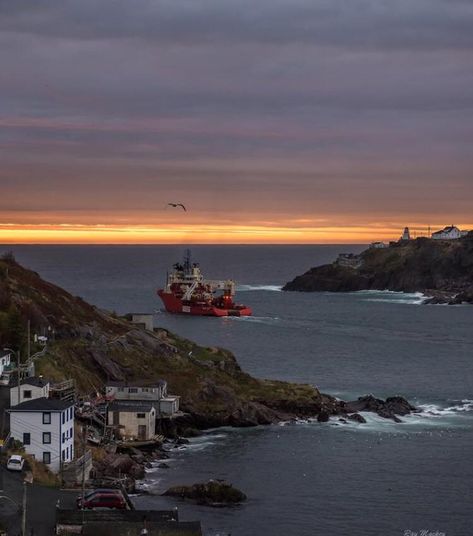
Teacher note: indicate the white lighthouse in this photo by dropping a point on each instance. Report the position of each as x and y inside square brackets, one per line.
[406, 235]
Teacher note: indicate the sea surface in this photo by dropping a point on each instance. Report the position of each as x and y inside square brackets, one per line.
[306, 479]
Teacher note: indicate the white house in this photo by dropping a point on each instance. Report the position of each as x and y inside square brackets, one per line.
[449, 233]
[168, 406]
[45, 426]
[5, 362]
[136, 391]
[30, 389]
[133, 419]
[378, 245]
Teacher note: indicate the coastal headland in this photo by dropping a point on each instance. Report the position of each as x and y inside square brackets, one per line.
[440, 269]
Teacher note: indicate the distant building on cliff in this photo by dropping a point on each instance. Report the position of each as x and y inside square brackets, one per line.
[406, 235]
[378, 245]
[348, 260]
[449, 233]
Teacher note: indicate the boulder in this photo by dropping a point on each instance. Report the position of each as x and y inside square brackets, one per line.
[211, 493]
[357, 418]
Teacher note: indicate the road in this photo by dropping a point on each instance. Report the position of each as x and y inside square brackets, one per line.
[40, 508]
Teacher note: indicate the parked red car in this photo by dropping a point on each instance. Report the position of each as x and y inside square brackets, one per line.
[103, 499]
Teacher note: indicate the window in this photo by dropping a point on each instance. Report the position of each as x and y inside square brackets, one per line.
[120, 389]
[47, 418]
[63, 417]
[47, 438]
[63, 437]
[26, 439]
[47, 458]
[141, 415]
[64, 455]
[26, 394]
[71, 415]
[132, 390]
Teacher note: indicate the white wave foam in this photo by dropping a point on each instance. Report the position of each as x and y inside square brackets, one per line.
[255, 319]
[248, 288]
[391, 296]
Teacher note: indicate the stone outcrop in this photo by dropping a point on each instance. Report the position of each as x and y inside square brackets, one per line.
[211, 493]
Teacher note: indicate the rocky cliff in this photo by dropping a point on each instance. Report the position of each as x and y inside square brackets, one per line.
[442, 269]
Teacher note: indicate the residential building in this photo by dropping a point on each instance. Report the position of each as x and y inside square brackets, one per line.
[144, 320]
[168, 406]
[6, 368]
[45, 426]
[133, 419]
[348, 260]
[136, 390]
[378, 245]
[30, 389]
[449, 233]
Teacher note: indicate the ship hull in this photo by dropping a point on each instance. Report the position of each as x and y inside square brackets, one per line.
[174, 304]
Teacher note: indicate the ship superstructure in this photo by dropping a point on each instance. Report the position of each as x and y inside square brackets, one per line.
[186, 291]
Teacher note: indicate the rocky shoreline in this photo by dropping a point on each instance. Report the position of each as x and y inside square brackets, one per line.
[131, 463]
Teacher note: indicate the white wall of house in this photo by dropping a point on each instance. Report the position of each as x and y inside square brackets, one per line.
[130, 422]
[135, 393]
[5, 360]
[449, 233]
[169, 405]
[46, 435]
[28, 392]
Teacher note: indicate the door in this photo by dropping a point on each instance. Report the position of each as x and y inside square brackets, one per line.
[142, 431]
[116, 418]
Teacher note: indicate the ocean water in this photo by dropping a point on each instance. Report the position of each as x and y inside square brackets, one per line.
[306, 479]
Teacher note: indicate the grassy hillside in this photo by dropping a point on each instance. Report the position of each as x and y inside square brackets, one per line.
[91, 345]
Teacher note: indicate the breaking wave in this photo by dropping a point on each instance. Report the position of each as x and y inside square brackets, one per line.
[390, 296]
[248, 288]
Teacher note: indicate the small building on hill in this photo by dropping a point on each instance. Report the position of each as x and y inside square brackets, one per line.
[348, 260]
[406, 235]
[452, 232]
[133, 419]
[30, 389]
[378, 245]
[46, 428]
[136, 390]
[5, 368]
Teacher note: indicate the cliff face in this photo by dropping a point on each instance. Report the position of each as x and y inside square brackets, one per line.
[91, 346]
[434, 267]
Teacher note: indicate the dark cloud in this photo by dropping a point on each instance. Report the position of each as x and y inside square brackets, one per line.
[333, 105]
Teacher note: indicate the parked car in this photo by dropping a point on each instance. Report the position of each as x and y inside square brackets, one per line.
[103, 498]
[15, 462]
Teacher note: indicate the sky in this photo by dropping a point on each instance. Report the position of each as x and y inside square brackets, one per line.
[296, 121]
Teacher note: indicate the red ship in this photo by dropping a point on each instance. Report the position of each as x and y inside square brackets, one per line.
[188, 292]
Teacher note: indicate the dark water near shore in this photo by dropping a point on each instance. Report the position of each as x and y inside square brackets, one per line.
[310, 479]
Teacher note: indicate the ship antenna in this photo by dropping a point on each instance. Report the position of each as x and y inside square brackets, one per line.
[187, 261]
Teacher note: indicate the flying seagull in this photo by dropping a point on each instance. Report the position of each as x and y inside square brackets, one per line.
[175, 205]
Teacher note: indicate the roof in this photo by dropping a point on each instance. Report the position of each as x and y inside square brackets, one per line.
[32, 380]
[447, 229]
[129, 406]
[114, 516]
[42, 404]
[126, 528]
[139, 383]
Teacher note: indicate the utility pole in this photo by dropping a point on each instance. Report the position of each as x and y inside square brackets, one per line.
[23, 511]
[84, 443]
[29, 340]
[19, 377]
